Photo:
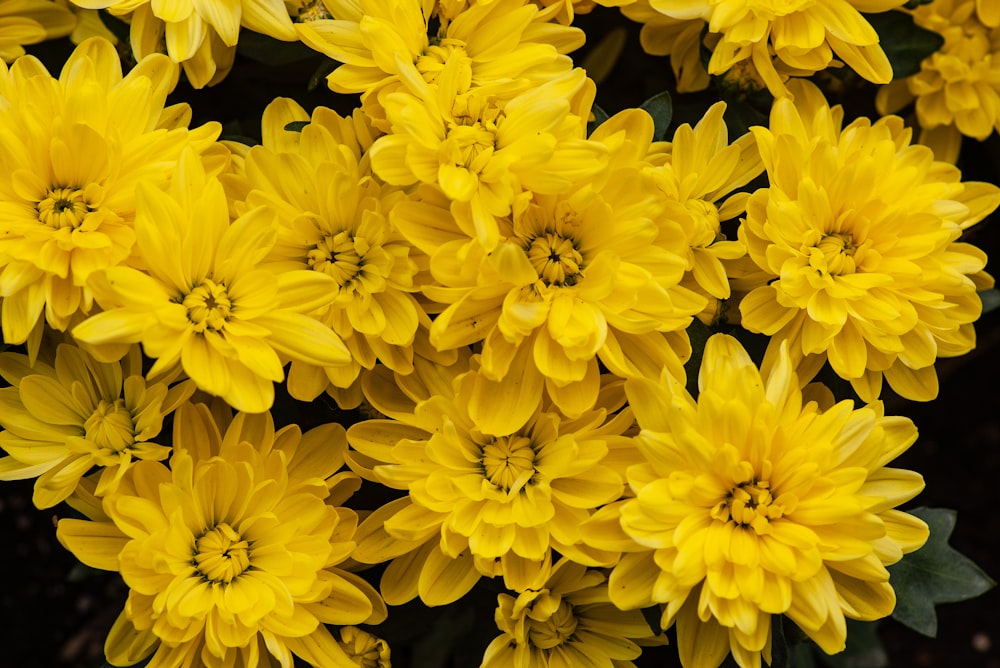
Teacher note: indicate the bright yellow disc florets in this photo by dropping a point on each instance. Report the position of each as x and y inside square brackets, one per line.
[221, 555]
[556, 259]
[111, 426]
[509, 462]
[208, 305]
[63, 207]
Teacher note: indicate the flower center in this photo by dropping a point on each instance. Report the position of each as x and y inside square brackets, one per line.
[63, 207]
[339, 256]
[208, 306]
[221, 555]
[749, 505]
[837, 250]
[509, 462]
[431, 62]
[110, 426]
[312, 10]
[554, 630]
[472, 129]
[556, 259]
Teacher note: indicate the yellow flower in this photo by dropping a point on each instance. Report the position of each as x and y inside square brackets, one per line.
[696, 170]
[477, 504]
[756, 501]
[332, 217]
[366, 650]
[234, 552]
[380, 41]
[66, 416]
[72, 151]
[588, 276]
[566, 620]
[482, 153]
[958, 87]
[204, 302]
[805, 35]
[30, 22]
[199, 35]
[859, 232]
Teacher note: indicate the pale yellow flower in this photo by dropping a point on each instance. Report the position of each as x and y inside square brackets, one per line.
[73, 151]
[859, 231]
[754, 501]
[234, 555]
[957, 89]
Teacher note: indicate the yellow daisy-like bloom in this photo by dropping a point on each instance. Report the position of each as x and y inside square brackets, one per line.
[696, 170]
[755, 501]
[481, 152]
[803, 34]
[232, 555]
[477, 504]
[30, 22]
[589, 276]
[566, 621]
[859, 231]
[72, 151]
[958, 87]
[500, 42]
[366, 650]
[332, 218]
[64, 417]
[204, 302]
[201, 35]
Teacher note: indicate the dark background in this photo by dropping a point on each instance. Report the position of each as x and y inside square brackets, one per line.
[55, 613]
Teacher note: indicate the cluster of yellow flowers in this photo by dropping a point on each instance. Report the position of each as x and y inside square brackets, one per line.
[505, 299]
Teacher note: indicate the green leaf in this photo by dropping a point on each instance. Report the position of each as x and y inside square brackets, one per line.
[653, 614]
[936, 573]
[599, 117]
[118, 28]
[698, 334]
[990, 299]
[864, 648]
[661, 109]
[296, 126]
[780, 651]
[905, 43]
[270, 51]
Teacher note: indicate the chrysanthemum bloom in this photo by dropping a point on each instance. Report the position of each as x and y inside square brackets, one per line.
[201, 36]
[332, 217]
[697, 170]
[366, 650]
[754, 501]
[232, 555]
[380, 42]
[205, 302]
[483, 152]
[589, 276]
[30, 22]
[859, 232]
[477, 504]
[64, 416]
[71, 153]
[805, 35]
[566, 621]
[957, 90]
